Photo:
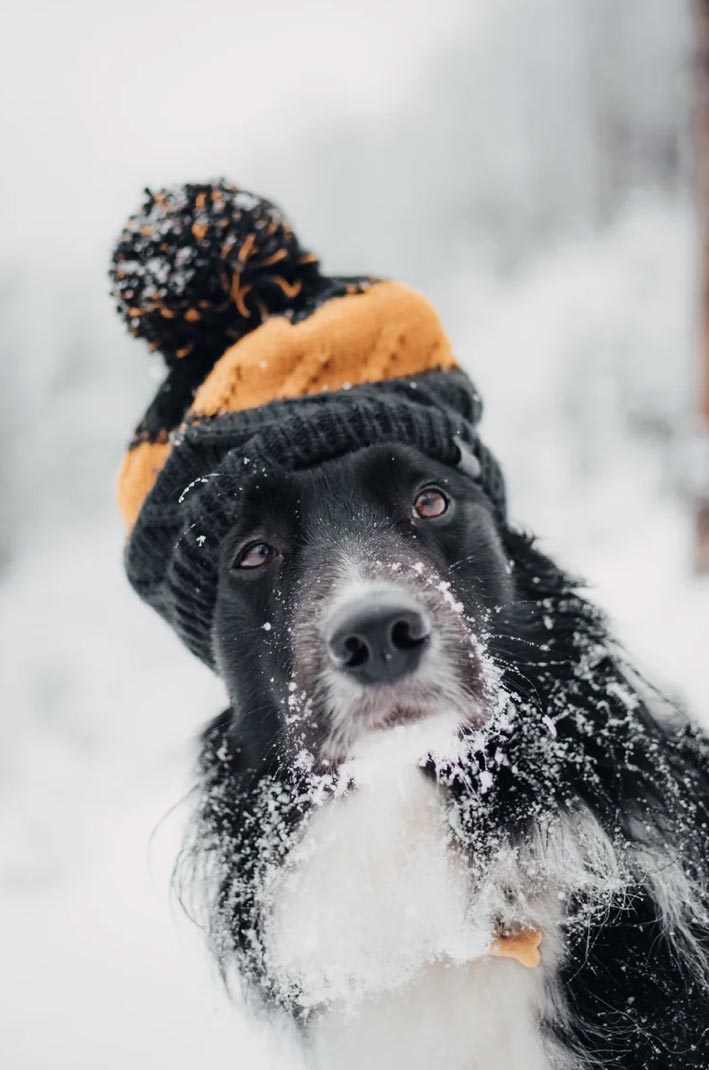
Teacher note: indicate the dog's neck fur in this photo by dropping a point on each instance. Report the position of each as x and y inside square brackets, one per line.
[480, 1016]
[376, 922]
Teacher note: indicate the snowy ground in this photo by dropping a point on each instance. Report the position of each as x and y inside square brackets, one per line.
[103, 973]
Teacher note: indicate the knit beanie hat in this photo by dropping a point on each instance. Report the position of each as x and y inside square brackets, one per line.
[270, 365]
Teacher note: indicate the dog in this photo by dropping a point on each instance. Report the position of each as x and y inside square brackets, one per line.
[444, 821]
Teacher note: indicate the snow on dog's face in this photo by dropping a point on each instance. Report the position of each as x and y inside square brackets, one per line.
[355, 596]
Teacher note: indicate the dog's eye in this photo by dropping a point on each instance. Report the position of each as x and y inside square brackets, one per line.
[430, 503]
[255, 555]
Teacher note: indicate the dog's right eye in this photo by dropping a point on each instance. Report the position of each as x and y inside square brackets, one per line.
[255, 555]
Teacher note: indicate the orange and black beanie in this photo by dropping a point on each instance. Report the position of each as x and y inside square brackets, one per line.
[270, 364]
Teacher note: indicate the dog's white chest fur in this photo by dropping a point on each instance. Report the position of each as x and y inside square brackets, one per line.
[481, 1016]
[374, 920]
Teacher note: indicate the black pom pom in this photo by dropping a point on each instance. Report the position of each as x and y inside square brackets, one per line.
[200, 265]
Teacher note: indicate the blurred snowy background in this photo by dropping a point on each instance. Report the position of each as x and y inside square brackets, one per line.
[529, 167]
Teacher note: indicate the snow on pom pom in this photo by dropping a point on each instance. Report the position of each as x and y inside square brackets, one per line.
[198, 266]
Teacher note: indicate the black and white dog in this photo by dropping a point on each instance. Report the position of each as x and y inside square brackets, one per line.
[436, 753]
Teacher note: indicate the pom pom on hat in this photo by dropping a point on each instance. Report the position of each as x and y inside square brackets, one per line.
[200, 265]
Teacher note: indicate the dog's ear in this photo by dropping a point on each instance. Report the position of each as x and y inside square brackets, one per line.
[467, 462]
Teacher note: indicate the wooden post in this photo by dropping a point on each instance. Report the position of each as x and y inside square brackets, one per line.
[701, 126]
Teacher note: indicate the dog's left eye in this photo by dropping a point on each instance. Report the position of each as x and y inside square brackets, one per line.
[256, 555]
[430, 503]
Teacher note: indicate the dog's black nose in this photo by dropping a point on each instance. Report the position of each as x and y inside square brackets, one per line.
[379, 642]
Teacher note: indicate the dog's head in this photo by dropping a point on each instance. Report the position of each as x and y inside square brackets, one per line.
[356, 595]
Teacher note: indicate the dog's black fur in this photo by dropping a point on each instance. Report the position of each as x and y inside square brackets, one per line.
[635, 976]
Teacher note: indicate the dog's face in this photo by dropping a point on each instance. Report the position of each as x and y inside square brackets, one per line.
[356, 595]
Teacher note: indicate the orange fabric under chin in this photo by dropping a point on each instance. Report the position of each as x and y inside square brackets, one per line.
[384, 333]
[524, 946]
